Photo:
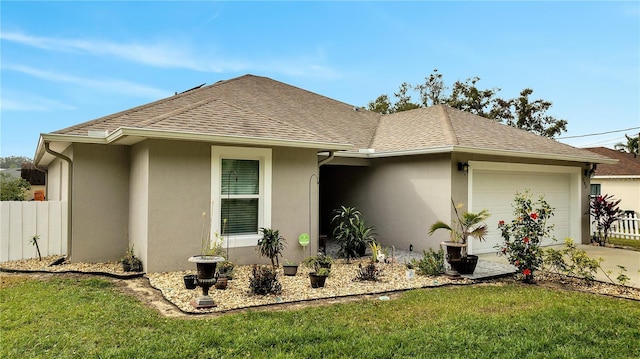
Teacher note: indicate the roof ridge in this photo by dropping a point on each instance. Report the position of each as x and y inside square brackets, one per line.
[375, 131]
[180, 110]
[447, 126]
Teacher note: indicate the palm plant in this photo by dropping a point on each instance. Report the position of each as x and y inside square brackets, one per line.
[466, 225]
[631, 146]
[271, 245]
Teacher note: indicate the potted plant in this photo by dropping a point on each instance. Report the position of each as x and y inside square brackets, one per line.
[318, 277]
[321, 266]
[131, 263]
[206, 263]
[466, 225]
[290, 268]
[271, 245]
[225, 270]
[352, 231]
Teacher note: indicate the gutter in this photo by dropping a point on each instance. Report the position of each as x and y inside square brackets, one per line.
[332, 155]
[478, 151]
[69, 195]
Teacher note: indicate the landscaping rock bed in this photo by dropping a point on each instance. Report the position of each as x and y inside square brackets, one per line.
[297, 289]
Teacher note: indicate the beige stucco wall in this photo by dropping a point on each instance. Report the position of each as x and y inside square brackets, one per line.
[57, 180]
[402, 196]
[139, 200]
[179, 187]
[100, 202]
[399, 196]
[295, 182]
[179, 190]
[625, 189]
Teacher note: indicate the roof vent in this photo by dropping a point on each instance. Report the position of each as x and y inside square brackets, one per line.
[101, 133]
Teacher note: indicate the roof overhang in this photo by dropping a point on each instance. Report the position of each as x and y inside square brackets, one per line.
[617, 177]
[476, 151]
[128, 136]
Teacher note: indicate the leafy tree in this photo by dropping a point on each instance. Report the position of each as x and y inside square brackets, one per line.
[518, 112]
[467, 97]
[13, 161]
[12, 188]
[630, 147]
[432, 91]
[380, 105]
[404, 99]
[532, 117]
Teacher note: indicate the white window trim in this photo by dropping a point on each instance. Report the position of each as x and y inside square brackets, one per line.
[264, 202]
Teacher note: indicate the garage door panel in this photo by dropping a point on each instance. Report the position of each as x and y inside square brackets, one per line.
[496, 190]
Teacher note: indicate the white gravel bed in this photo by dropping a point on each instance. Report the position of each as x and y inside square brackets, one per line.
[296, 289]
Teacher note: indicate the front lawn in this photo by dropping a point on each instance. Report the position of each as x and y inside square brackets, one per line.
[82, 318]
[631, 243]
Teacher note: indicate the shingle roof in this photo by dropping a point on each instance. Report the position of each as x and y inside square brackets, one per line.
[440, 125]
[249, 106]
[628, 164]
[259, 107]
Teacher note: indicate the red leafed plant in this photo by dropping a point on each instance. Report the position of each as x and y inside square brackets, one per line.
[605, 212]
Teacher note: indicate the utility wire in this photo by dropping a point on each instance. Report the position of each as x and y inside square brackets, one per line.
[597, 134]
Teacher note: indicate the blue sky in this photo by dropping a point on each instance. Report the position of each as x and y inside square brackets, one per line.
[64, 63]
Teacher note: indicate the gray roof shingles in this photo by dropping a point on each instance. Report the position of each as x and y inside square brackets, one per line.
[260, 107]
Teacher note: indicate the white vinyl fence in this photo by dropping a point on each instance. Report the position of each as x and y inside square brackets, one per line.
[20, 221]
[628, 227]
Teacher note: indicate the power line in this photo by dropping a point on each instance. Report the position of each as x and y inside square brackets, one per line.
[597, 134]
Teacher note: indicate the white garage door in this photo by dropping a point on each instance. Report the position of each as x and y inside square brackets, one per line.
[495, 190]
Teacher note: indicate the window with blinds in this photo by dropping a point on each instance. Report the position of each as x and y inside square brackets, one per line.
[240, 196]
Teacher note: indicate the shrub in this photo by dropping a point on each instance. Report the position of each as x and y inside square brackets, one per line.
[605, 212]
[431, 263]
[369, 272]
[351, 231]
[576, 264]
[523, 235]
[12, 189]
[263, 280]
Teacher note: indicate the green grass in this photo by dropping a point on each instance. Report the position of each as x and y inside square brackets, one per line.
[633, 243]
[89, 318]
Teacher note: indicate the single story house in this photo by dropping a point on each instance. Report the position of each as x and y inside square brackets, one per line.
[253, 152]
[622, 179]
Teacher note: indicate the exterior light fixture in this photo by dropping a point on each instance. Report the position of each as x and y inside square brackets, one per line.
[590, 172]
[463, 167]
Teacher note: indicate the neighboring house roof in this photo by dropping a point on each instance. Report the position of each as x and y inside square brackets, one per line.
[255, 110]
[628, 164]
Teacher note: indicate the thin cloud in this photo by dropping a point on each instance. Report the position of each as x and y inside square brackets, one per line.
[118, 86]
[177, 55]
[23, 102]
[161, 54]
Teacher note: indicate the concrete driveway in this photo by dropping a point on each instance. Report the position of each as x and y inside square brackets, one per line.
[612, 257]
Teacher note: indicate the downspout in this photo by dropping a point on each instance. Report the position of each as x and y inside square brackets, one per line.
[69, 194]
[325, 160]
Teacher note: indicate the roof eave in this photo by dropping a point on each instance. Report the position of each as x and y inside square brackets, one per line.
[130, 136]
[475, 150]
[617, 177]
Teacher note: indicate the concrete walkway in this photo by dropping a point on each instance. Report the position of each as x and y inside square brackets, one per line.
[612, 257]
